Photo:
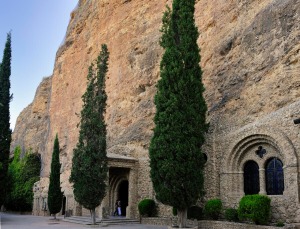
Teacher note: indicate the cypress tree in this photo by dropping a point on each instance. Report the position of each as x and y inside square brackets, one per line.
[89, 165]
[55, 195]
[5, 131]
[176, 159]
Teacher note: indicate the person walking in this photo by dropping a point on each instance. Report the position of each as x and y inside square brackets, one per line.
[119, 207]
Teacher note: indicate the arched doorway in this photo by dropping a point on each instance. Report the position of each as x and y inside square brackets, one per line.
[251, 178]
[119, 189]
[123, 196]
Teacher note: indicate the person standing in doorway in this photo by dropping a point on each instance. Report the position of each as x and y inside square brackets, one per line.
[119, 207]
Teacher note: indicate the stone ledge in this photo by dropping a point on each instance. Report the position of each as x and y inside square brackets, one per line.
[167, 221]
[171, 227]
[208, 224]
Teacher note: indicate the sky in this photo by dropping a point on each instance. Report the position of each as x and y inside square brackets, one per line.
[38, 28]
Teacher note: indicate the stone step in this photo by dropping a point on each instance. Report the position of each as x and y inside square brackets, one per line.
[111, 221]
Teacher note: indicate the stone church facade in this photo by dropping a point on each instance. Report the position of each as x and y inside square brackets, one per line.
[250, 54]
[225, 170]
[237, 168]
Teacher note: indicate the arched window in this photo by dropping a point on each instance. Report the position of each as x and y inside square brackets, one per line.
[274, 177]
[251, 178]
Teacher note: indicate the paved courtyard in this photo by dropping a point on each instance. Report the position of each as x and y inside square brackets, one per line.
[12, 221]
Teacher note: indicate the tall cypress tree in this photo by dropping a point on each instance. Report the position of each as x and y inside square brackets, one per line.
[5, 131]
[55, 195]
[89, 168]
[176, 159]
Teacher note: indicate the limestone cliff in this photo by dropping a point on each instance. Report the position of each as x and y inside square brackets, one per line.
[249, 49]
[250, 52]
[32, 125]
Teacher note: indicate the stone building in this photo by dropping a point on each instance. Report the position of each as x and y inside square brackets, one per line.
[250, 59]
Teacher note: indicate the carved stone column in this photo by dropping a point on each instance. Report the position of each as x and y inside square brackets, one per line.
[132, 193]
[262, 182]
[240, 182]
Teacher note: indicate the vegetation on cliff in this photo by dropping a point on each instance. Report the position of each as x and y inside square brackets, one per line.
[55, 195]
[23, 172]
[176, 159]
[5, 131]
[89, 165]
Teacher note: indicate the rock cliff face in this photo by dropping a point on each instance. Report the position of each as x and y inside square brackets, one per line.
[32, 125]
[250, 58]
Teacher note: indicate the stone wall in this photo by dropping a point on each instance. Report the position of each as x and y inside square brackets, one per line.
[280, 136]
[166, 221]
[230, 225]
[207, 224]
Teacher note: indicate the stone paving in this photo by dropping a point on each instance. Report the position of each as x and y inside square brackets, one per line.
[13, 221]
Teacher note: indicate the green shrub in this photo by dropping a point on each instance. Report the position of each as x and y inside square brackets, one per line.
[195, 212]
[256, 208]
[280, 224]
[213, 208]
[231, 214]
[147, 207]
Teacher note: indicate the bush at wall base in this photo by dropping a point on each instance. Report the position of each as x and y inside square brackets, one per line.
[147, 207]
[256, 208]
[231, 214]
[213, 208]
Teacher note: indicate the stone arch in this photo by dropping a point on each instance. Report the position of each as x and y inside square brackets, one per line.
[243, 149]
[252, 137]
[116, 178]
[251, 144]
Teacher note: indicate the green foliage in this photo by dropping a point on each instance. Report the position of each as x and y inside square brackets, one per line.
[213, 208]
[280, 224]
[22, 174]
[231, 214]
[5, 131]
[30, 175]
[176, 159]
[55, 195]
[147, 207]
[195, 212]
[256, 208]
[89, 168]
